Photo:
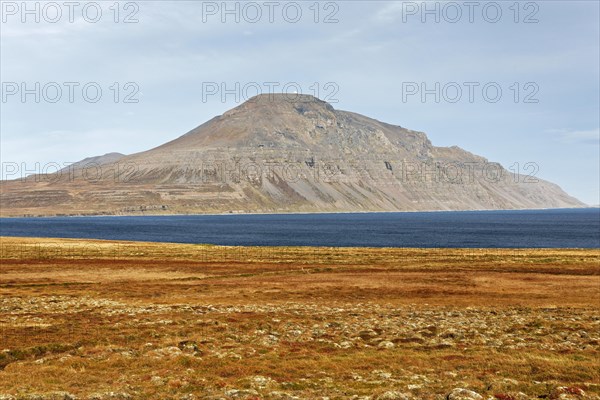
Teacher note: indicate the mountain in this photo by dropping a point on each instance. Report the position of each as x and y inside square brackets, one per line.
[108, 158]
[275, 153]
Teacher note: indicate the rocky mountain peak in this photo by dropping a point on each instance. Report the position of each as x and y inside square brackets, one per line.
[284, 104]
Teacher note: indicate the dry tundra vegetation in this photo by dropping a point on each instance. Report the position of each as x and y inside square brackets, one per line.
[124, 320]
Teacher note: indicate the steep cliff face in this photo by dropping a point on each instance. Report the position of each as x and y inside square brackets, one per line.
[284, 153]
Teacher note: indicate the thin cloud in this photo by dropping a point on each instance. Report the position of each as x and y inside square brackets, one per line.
[590, 136]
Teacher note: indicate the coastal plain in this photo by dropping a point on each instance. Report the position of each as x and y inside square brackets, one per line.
[93, 319]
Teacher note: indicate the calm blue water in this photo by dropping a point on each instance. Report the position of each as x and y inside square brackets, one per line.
[539, 228]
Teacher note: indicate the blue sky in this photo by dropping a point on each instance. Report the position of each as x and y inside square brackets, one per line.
[365, 59]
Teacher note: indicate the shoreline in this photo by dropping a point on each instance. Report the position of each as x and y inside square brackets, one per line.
[300, 213]
[307, 248]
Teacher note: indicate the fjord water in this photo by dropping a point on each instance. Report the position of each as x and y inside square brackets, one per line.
[564, 228]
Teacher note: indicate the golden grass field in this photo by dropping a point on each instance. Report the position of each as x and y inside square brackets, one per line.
[123, 320]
